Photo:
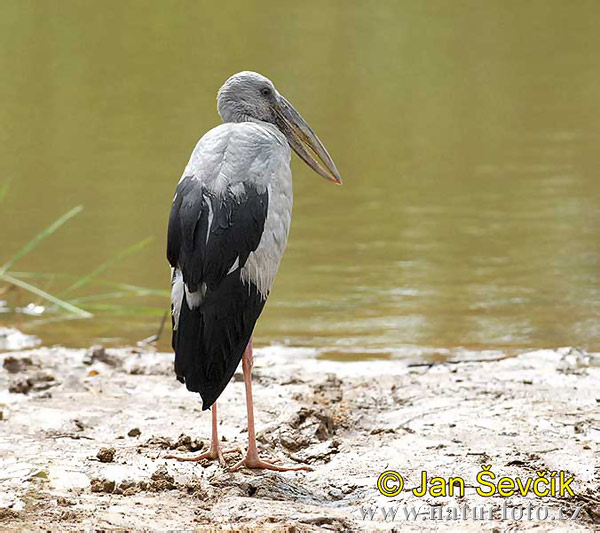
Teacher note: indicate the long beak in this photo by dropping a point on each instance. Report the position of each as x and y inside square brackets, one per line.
[304, 141]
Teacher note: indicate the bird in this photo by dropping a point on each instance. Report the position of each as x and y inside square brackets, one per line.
[227, 233]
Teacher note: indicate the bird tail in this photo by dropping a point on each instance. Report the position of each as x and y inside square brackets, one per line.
[210, 339]
[187, 344]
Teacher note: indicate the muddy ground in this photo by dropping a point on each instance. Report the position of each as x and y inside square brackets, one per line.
[83, 437]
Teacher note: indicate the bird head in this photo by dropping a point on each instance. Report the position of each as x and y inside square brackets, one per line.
[249, 96]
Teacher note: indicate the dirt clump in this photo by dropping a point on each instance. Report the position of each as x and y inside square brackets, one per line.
[184, 443]
[14, 365]
[102, 485]
[37, 382]
[99, 353]
[161, 480]
[106, 455]
[128, 487]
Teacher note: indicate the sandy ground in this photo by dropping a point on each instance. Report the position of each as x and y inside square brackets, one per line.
[83, 437]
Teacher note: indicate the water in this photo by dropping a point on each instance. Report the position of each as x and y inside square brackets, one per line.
[466, 134]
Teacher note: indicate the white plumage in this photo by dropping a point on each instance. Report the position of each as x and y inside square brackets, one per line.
[258, 154]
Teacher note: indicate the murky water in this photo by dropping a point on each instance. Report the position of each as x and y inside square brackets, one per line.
[466, 133]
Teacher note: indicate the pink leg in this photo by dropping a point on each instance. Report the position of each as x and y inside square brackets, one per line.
[252, 460]
[214, 452]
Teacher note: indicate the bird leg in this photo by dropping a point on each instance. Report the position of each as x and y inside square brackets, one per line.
[252, 460]
[214, 452]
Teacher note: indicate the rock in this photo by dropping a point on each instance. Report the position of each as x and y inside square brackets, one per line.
[161, 480]
[379, 430]
[305, 427]
[162, 442]
[106, 455]
[293, 440]
[135, 432]
[99, 353]
[298, 418]
[39, 474]
[93, 353]
[102, 485]
[162, 473]
[320, 452]
[20, 386]
[43, 381]
[127, 484]
[186, 443]
[13, 365]
[127, 487]
[36, 382]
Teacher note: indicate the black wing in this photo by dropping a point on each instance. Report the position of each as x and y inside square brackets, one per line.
[207, 234]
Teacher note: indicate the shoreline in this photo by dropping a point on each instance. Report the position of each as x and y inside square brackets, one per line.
[350, 421]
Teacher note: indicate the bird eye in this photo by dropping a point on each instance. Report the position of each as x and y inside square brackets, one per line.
[265, 91]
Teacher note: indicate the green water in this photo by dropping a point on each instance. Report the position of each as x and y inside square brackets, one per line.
[467, 134]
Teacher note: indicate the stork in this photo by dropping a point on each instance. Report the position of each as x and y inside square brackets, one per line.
[227, 233]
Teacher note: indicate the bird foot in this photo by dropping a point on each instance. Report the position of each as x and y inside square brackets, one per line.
[213, 454]
[255, 463]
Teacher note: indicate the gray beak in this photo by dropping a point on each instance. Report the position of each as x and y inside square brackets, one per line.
[304, 141]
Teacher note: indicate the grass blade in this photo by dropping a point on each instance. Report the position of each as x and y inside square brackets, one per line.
[146, 291]
[89, 277]
[39, 275]
[39, 292]
[106, 296]
[128, 309]
[135, 289]
[54, 320]
[40, 237]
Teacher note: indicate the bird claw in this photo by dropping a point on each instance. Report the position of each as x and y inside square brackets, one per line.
[255, 463]
[213, 454]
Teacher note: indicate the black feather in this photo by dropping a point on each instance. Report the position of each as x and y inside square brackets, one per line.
[209, 340]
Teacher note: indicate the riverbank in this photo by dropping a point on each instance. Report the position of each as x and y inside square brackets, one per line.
[84, 434]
